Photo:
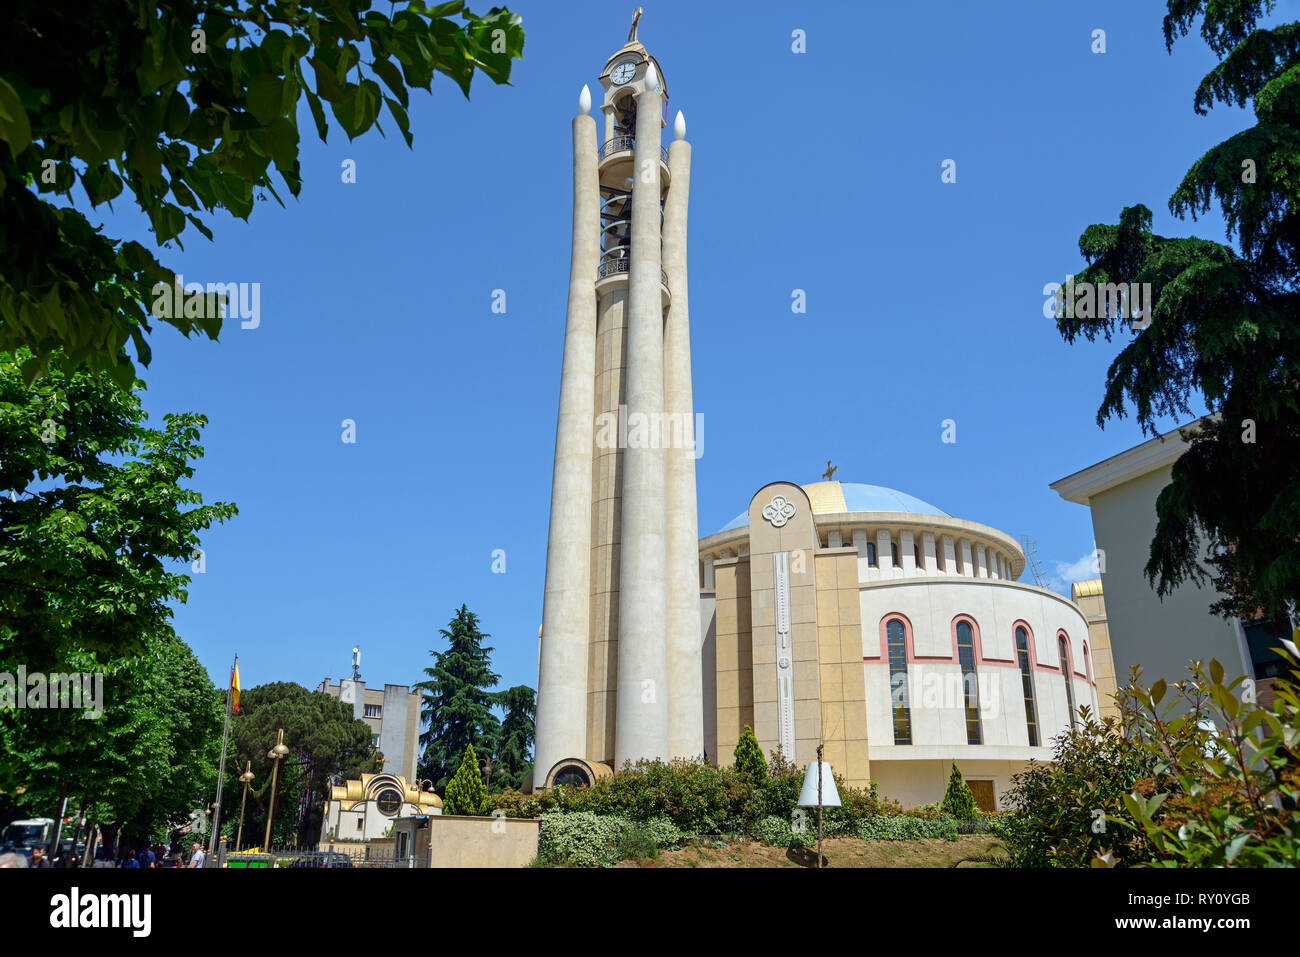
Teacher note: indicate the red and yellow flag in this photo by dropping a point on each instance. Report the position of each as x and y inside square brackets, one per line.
[234, 684]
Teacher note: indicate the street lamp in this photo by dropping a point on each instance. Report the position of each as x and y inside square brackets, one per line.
[246, 779]
[819, 791]
[276, 754]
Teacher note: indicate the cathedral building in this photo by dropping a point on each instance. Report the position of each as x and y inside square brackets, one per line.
[851, 616]
[867, 620]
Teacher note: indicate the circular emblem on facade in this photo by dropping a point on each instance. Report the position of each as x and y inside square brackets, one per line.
[778, 511]
[784, 662]
[389, 801]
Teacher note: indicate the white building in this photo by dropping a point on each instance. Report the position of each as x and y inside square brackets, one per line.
[897, 635]
[1159, 636]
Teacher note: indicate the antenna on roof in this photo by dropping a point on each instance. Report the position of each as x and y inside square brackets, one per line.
[356, 662]
[1030, 548]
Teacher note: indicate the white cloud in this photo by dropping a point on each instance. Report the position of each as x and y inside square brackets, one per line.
[1067, 573]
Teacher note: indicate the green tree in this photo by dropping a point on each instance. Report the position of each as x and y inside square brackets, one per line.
[466, 794]
[184, 105]
[1224, 325]
[141, 765]
[512, 747]
[749, 756]
[458, 703]
[327, 746]
[958, 800]
[93, 510]
[192, 711]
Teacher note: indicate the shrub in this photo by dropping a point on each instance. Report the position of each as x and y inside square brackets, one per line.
[696, 797]
[904, 827]
[1207, 779]
[782, 832]
[635, 843]
[465, 793]
[581, 839]
[932, 810]
[584, 839]
[749, 756]
[958, 801]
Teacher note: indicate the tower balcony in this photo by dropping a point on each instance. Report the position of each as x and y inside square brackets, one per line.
[614, 160]
[613, 271]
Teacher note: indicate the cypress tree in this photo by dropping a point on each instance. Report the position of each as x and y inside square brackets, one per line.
[749, 756]
[466, 794]
[958, 801]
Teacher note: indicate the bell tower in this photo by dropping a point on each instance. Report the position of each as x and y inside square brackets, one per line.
[620, 675]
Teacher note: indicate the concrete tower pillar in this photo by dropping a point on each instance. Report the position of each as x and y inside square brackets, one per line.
[642, 724]
[561, 729]
[685, 665]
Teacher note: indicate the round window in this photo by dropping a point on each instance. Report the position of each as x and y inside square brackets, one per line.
[572, 777]
[389, 801]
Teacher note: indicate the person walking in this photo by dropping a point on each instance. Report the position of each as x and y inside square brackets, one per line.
[38, 857]
[196, 856]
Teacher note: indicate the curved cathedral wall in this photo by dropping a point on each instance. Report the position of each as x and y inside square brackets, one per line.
[959, 661]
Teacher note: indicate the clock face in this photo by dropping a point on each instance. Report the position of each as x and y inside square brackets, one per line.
[389, 801]
[623, 72]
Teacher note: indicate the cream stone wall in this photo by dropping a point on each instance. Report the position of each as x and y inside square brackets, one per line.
[734, 678]
[457, 841]
[1088, 596]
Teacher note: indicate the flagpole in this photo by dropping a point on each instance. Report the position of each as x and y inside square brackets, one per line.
[221, 772]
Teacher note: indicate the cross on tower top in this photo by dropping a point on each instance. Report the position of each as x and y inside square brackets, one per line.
[631, 34]
[829, 474]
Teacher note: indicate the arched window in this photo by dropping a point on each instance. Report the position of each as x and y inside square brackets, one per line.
[896, 639]
[970, 684]
[871, 554]
[1064, 650]
[1027, 682]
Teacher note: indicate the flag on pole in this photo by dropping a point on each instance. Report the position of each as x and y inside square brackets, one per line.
[234, 684]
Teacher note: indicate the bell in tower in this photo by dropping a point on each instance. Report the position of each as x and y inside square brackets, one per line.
[620, 676]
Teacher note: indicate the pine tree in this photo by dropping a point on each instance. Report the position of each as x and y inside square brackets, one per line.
[749, 756]
[466, 794]
[958, 801]
[1223, 332]
[514, 743]
[458, 703]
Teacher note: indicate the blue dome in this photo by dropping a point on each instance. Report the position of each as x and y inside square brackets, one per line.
[831, 497]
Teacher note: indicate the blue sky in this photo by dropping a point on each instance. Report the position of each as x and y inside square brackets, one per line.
[817, 171]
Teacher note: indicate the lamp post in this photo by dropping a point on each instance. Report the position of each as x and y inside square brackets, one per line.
[819, 791]
[246, 779]
[276, 754]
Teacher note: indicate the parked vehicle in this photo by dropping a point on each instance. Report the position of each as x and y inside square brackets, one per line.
[321, 860]
[22, 836]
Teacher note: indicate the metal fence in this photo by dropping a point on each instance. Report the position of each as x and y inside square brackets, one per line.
[320, 857]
